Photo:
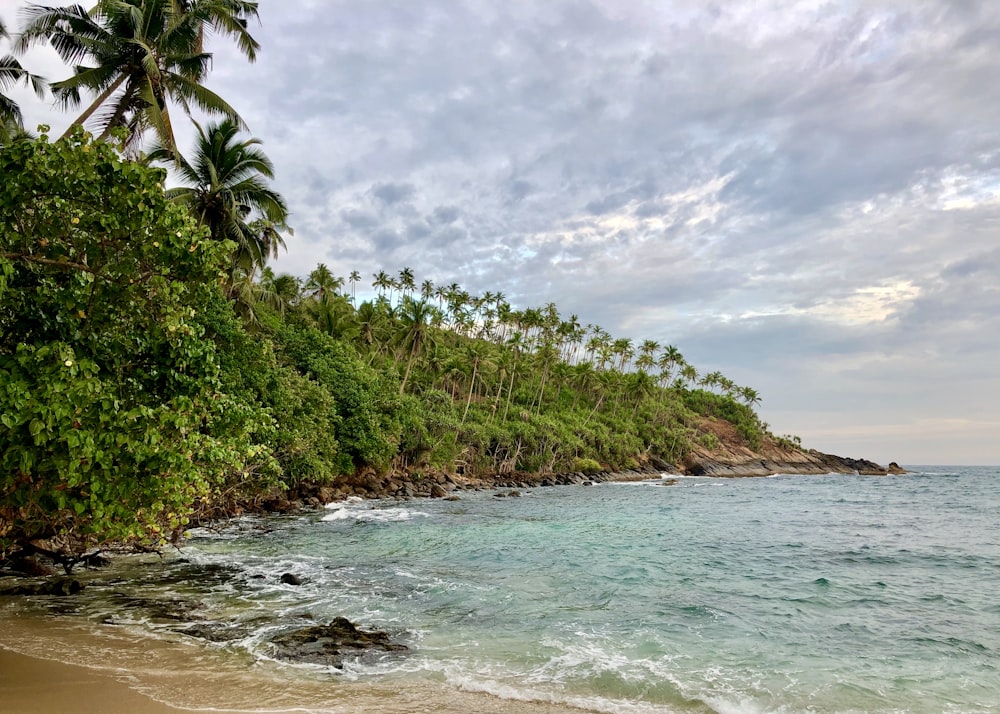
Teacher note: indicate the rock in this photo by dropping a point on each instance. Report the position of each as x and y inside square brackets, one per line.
[513, 494]
[438, 491]
[31, 566]
[330, 645]
[453, 498]
[50, 587]
[291, 579]
[499, 494]
[895, 468]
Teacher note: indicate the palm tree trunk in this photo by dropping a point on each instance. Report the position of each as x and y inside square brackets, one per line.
[103, 97]
[472, 384]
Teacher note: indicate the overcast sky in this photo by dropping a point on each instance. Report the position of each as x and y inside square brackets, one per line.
[803, 195]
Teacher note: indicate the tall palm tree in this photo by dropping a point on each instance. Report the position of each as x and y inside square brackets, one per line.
[11, 73]
[354, 278]
[415, 319]
[227, 17]
[406, 282]
[136, 57]
[381, 282]
[323, 283]
[226, 191]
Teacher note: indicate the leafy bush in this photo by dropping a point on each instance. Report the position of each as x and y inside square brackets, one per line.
[587, 466]
[112, 421]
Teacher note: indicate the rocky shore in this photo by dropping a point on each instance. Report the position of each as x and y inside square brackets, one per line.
[800, 463]
[446, 485]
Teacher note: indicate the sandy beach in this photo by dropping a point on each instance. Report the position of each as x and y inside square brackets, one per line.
[29, 685]
[52, 666]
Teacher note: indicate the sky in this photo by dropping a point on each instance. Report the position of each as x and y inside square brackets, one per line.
[802, 195]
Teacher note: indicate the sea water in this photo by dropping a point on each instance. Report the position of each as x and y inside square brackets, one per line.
[833, 593]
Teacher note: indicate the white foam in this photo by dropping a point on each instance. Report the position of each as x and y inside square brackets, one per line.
[337, 505]
[374, 515]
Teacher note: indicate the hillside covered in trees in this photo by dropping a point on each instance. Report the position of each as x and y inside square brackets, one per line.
[153, 369]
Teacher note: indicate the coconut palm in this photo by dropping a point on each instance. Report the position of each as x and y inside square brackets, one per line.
[12, 73]
[322, 283]
[354, 278]
[415, 319]
[137, 57]
[407, 283]
[226, 191]
[226, 17]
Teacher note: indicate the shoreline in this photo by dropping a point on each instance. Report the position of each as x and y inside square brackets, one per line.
[89, 669]
[33, 685]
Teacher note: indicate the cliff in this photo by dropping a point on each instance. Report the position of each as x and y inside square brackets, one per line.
[733, 457]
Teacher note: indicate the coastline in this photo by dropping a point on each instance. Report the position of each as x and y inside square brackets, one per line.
[30, 685]
[89, 669]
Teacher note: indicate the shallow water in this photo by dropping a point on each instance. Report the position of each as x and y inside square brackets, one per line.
[788, 594]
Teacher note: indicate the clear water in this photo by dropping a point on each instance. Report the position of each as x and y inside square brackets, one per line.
[788, 594]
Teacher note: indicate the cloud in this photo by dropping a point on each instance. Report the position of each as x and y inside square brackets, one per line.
[805, 196]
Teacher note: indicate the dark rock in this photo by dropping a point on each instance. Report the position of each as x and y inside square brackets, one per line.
[331, 644]
[513, 494]
[452, 498]
[438, 491]
[291, 579]
[31, 566]
[60, 588]
[587, 483]
[499, 494]
[895, 468]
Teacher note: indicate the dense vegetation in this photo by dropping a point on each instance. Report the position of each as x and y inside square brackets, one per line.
[153, 367]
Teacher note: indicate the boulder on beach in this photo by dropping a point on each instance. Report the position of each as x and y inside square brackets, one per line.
[331, 644]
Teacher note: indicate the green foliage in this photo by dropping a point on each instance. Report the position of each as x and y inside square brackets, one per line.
[789, 441]
[709, 440]
[112, 422]
[368, 405]
[723, 406]
[587, 466]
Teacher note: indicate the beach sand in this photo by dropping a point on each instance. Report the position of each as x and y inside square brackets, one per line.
[56, 665]
[36, 686]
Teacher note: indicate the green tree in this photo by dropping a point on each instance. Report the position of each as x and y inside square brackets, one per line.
[415, 318]
[136, 57]
[111, 422]
[225, 189]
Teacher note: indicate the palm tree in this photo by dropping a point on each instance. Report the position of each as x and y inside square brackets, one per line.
[646, 351]
[11, 73]
[226, 191]
[142, 55]
[415, 318]
[354, 278]
[750, 396]
[323, 283]
[670, 359]
[227, 17]
[406, 282]
[382, 281]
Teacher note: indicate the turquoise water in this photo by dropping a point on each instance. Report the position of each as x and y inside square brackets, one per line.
[787, 594]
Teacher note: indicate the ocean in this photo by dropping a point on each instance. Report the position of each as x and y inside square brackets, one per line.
[833, 593]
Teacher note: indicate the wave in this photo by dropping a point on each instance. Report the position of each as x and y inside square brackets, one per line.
[374, 515]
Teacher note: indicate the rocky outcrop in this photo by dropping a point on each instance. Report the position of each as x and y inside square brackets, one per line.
[330, 645]
[789, 462]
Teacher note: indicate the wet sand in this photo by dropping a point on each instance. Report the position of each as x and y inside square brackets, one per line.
[36, 686]
[55, 665]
